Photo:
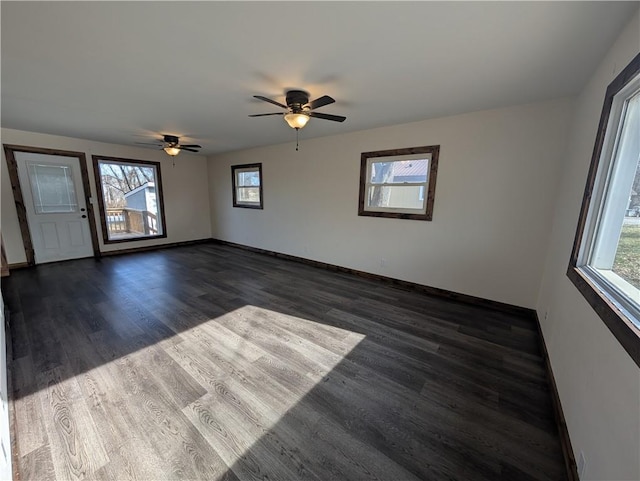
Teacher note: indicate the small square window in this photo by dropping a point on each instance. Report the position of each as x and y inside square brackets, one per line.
[247, 185]
[393, 183]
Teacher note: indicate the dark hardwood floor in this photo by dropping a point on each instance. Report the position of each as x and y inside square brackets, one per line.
[211, 362]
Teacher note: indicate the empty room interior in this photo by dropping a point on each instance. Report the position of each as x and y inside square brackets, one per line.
[388, 241]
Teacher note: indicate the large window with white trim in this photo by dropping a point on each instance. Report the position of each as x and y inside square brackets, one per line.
[605, 263]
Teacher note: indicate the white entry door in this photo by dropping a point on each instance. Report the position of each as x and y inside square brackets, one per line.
[55, 203]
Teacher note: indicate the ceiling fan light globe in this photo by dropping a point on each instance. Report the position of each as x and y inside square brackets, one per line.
[172, 151]
[297, 120]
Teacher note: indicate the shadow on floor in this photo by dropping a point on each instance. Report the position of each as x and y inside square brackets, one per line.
[308, 374]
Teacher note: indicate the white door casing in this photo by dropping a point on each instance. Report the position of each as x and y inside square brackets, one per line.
[54, 201]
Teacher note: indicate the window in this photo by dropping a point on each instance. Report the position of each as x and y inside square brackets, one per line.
[605, 262]
[52, 188]
[393, 182]
[247, 185]
[130, 199]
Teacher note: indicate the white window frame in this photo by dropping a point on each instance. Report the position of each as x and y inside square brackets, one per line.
[609, 200]
[600, 223]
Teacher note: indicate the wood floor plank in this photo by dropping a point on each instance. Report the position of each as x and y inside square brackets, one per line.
[234, 445]
[351, 458]
[255, 320]
[185, 453]
[380, 421]
[153, 415]
[105, 398]
[183, 388]
[37, 465]
[215, 363]
[19, 337]
[76, 450]
[22, 373]
[403, 342]
[245, 376]
[272, 343]
[337, 340]
[30, 425]
[236, 414]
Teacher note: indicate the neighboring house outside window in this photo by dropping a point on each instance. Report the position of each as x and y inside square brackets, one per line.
[393, 183]
[130, 199]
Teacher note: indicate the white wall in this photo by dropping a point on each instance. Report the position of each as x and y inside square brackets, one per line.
[185, 189]
[497, 177]
[599, 384]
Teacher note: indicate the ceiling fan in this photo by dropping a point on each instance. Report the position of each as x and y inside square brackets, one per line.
[171, 145]
[299, 109]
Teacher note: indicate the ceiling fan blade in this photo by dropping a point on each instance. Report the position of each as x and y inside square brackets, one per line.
[191, 146]
[262, 115]
[335, 118]
[270, 101]
[182, 147]
[321, 102]
[150, 143]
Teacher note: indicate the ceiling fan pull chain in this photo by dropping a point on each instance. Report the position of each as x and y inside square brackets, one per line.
[297, 130]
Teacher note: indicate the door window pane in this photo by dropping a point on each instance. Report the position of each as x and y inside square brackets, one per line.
[52, 188]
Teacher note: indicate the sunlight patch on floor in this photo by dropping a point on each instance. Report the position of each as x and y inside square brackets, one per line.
[261, 370]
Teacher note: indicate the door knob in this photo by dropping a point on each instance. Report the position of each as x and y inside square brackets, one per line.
[82, 209]
[84, 216]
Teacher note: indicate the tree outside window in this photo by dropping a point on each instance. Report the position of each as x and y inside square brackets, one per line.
[130, 198]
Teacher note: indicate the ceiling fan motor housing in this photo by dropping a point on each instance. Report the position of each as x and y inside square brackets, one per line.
[171, 139]
[296, 99]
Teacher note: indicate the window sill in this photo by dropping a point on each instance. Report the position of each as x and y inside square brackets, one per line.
[248, 206]
[395, 214]
[620, 322]
[133, 239]
[627, 289]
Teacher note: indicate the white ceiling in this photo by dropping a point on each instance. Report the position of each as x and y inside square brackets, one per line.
[125, 72]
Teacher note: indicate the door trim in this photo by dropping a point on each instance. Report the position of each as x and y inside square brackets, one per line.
[9, 151]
